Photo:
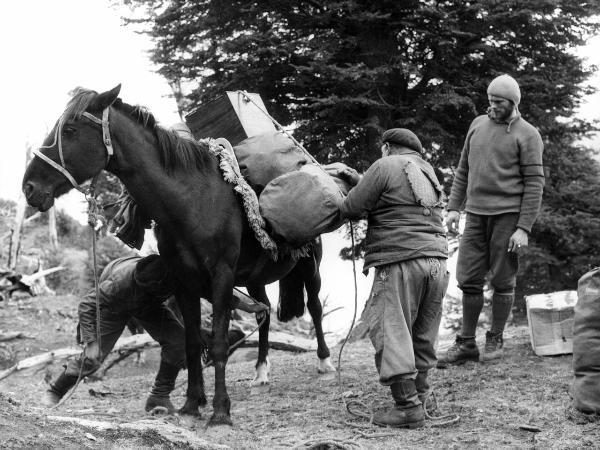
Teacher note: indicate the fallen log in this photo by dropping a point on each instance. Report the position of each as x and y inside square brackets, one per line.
[172, 433]
[136, 342]
[279, 340]
[13, 335]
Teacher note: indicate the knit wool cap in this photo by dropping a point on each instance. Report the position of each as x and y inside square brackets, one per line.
[403, 137]
[506, 87]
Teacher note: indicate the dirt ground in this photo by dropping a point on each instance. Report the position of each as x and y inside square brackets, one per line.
[498, 403]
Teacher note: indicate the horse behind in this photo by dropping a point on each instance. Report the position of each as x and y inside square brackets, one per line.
[202, 230]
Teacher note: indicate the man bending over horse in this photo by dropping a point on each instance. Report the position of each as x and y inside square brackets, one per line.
[141, 288]
[406, 244]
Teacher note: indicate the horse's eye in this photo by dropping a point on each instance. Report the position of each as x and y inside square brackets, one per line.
[69, 131]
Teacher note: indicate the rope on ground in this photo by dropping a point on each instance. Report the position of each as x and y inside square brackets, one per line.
[327, 444]
[350, 403]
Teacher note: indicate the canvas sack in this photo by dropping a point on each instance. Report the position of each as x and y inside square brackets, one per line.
[586, 344]
[264, 157]
[301, 205]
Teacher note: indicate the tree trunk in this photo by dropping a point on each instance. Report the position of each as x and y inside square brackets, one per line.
[15, 238]
[52, 233]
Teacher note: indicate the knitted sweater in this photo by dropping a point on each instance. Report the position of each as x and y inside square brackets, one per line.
[500, 170]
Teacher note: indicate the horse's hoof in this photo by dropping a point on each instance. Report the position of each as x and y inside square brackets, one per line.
[220, 419]
[327, 376]
[260, 387]
[202, 402]
[325, 366]
[159, 411]
[162, 403]
[189, 411]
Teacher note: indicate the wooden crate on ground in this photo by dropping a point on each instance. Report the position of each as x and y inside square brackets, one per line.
[550, 318]
[230, 116]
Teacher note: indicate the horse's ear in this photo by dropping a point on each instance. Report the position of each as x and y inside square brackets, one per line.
[105, 99]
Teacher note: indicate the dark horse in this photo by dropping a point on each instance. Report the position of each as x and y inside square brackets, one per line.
[202, 229]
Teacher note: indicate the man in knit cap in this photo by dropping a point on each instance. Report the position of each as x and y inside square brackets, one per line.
[499, 183]
[406, 244]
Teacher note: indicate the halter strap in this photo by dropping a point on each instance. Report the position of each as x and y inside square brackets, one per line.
[105, 130]
[61, 169]
[58, 141]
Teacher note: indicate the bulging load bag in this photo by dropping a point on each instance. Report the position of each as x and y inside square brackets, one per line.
[301, 205]
[264, 157]
[586, 344]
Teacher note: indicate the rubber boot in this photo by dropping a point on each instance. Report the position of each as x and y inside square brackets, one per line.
[408, 412]
[424, 392]
[58, 388]
[464, 349]
[163, 386]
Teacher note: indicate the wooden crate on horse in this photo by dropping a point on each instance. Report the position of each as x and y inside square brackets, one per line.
[231, 116]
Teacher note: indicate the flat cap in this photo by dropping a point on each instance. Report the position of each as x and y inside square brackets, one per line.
[404, 137]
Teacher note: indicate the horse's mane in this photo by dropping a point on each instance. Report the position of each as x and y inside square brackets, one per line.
[175, 152]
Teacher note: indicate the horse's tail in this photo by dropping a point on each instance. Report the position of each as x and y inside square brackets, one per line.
[305, 274]
[291, 295]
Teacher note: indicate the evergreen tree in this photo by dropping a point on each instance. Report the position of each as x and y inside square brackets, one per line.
[344, 71]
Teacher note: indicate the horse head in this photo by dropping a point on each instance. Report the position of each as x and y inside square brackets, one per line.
[77, 149]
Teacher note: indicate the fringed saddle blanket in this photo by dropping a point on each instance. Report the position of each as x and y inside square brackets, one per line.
[223, 150]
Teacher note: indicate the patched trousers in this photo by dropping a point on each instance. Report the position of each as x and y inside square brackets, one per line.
[403, 313]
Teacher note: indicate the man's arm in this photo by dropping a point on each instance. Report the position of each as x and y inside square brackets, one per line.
[532, 170]
[459, 185]
[363, 197]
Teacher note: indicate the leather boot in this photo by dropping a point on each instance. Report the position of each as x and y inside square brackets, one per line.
[408, 412]
[163, 386]
[464, 349]
[58, 388]
[493, 346]
[424, 392]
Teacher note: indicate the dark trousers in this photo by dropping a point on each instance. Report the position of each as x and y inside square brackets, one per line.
[159, 320]
[484, 249]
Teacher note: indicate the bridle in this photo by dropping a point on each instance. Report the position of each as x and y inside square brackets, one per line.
[58, 142]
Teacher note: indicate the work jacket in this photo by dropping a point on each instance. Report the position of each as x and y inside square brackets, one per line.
[402, 200]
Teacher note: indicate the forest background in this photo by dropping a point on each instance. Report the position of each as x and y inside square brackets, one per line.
[342, 72]
[339, 73]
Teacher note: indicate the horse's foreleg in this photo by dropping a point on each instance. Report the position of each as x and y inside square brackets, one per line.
[195, 396]
[312, 283]
[259, 293]
[222, 287]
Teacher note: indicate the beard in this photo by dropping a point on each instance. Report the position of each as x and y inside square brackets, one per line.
[502, 114]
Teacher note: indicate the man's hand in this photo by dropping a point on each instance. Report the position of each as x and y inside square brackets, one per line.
[518, 241]
[350, 176]
[452, 220]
